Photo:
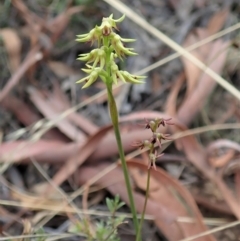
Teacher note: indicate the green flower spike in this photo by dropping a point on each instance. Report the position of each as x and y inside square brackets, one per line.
[110, 47]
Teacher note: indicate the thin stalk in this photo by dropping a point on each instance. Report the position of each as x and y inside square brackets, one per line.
[114, 117]
[145, 205]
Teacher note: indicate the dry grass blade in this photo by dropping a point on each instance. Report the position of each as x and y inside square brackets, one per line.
[149, 28]
[214, 230]
[57, 236]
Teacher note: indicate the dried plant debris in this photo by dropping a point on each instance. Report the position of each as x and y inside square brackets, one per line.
[58, 155]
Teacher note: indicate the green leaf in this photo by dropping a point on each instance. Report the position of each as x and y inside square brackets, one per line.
[110, 205]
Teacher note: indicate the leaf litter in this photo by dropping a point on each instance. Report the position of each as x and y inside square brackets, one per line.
[81, 145]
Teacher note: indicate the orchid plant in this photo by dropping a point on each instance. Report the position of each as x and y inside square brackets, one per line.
[103, 66]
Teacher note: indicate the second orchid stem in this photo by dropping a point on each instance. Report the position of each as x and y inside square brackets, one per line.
[145, 205]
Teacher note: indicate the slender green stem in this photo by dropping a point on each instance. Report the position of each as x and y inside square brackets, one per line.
[145, 205]
[114, 117]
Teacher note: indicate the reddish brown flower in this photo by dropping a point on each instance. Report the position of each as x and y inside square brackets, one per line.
[142, 144]
[153, 158]
[165, 122]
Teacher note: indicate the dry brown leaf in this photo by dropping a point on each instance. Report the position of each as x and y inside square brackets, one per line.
[217, 21]
[51, 113]
[61, 69]
[59, 100]
[198, 157]
[165, 217]
[22, 150]
[114, 181]
[237, 183]
[176, 198]
[196, 99]
[13, 45]
[59, 23]
[27, 116]
[192, 71]
[214, 205]
[80, 156]
[140, 178]
[171, 103]
[221, 161]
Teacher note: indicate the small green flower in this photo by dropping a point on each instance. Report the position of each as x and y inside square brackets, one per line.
[89, 57]
[124, 76]
[121, 51]
[117, 45]
[132, 79]
[91, 78]
[98, 32]
[96, 56]
[94, 35]
[109, 23]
